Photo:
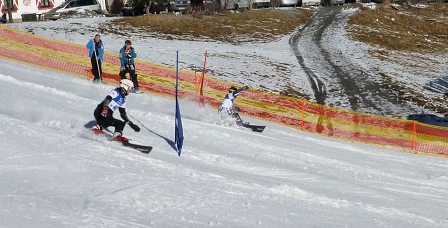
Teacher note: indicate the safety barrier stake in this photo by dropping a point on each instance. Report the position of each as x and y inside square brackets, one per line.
[414, 137]
[303, 115]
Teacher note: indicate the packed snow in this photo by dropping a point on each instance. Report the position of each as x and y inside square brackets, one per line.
[55, 173]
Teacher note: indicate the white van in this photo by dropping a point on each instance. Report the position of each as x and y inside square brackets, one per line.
[72, 5]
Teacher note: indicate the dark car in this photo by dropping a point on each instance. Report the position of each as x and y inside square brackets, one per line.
[178, 5]
[141, 7]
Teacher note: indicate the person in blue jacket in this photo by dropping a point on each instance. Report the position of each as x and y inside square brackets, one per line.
[127, 56]
[96, 50]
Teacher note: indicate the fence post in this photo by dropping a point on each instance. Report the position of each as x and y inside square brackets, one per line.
[303, 116]
[414, 137]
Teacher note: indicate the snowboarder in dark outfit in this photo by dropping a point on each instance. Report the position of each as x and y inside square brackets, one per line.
[127, 55]
[116, 99]
[96, 50]
[227, 105]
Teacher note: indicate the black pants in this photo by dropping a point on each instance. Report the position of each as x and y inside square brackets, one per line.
[109, 120]
[132, 74]
[96, 68]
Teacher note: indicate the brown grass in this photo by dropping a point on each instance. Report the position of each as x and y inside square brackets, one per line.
[249, 26]
[410, 29]
[423, 30]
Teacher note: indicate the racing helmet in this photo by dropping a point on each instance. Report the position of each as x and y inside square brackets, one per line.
[232, 89]
[126, 86]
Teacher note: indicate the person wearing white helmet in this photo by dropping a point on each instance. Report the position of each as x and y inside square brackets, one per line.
[116, 99]
[226, 106]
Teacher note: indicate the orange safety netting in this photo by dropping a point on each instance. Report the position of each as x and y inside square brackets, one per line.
[296, 113]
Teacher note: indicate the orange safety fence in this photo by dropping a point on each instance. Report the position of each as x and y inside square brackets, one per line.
[307, 116]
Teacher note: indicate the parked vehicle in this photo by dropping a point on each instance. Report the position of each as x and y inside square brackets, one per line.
[306, 3]
[261, 4]
[141, 7]
[332, 2]
[337, 2]
[211, 4]
[199, 4]
[134, 8]
[288, 2]
[177, 5]
[70, 6]
[236, 4]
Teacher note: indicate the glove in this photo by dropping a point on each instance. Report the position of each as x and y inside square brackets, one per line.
[134, 127]
[245, 87]
[105, 111]
[236, 109]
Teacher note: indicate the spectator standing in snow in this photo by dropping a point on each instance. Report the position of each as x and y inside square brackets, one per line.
[127, 55]
[96, 50]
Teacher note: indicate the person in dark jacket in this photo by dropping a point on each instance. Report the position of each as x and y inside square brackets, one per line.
[3, 19]
[127, 55]
[115, 100]
[96, 50]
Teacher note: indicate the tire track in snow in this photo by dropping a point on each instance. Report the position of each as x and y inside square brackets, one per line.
[316, 84]
[336, 77]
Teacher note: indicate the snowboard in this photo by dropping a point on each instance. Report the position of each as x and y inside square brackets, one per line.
[125, 142]
[256, 128]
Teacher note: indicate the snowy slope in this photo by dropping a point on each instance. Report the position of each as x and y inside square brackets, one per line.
[55, 173]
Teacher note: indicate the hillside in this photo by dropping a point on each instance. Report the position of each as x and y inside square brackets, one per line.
[395, 53]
